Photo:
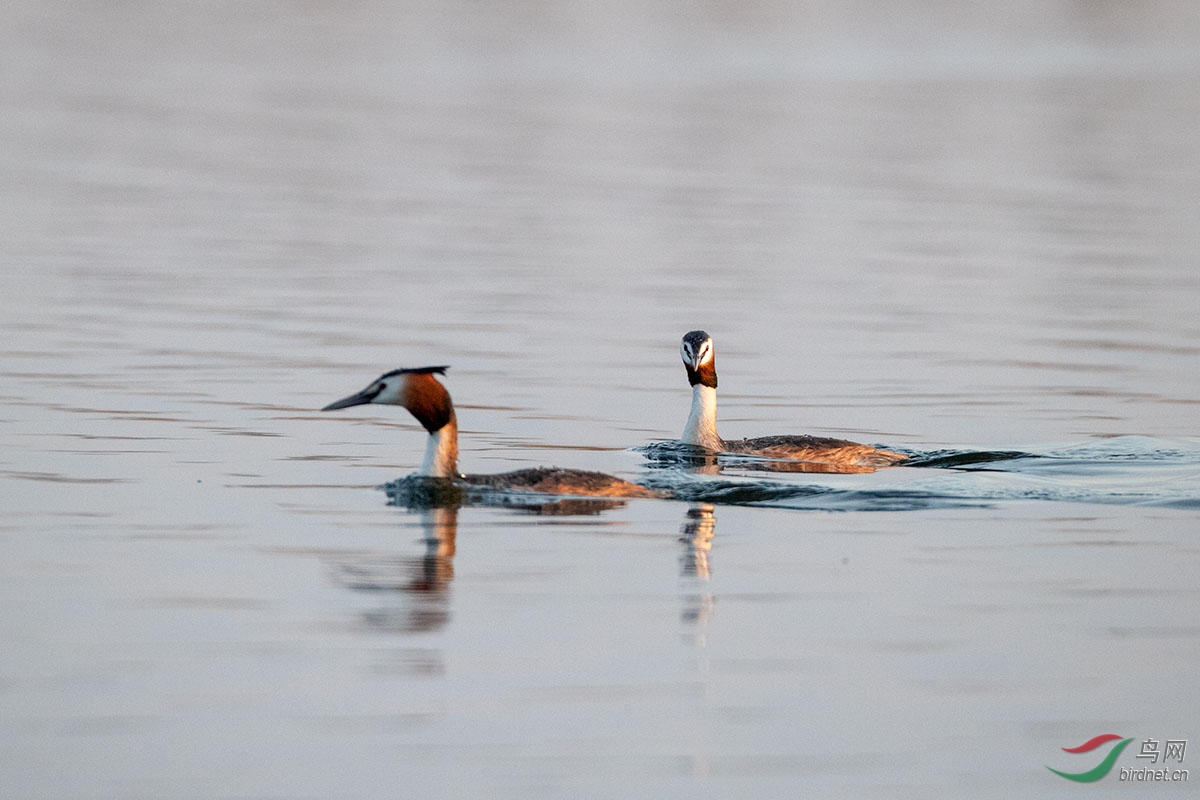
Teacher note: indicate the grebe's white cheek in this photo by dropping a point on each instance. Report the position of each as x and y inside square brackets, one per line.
[390, 394]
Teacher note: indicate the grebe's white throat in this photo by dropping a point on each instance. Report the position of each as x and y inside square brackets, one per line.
[701, 428]
[441, 452]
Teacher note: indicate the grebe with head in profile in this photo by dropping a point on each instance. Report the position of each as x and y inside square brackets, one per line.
[834, 455]
[426, 399]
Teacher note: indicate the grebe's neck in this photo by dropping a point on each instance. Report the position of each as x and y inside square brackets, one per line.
[701, 428]
[441, 451]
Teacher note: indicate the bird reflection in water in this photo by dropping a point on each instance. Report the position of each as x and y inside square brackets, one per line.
[696, 534]
[423, 581]
[425, 578]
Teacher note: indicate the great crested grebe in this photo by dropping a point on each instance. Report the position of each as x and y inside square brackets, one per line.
[427, 399]
[701, 429]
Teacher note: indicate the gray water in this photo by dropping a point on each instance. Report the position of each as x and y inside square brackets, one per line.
[943, 230]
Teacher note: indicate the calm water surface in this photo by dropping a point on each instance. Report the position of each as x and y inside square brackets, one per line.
[934, 230]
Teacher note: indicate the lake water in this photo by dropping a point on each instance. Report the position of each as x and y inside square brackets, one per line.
[937, 229]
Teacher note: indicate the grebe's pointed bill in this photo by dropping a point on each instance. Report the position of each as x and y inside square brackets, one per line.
[386, 389]
[367, 395]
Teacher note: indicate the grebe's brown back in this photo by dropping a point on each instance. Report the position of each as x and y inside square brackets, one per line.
[425, 397]
[699, 359]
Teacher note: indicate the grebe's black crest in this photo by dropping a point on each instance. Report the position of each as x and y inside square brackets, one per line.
[416, 371]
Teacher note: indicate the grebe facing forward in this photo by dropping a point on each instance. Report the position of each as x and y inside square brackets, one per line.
[838, 455]
[427, 399]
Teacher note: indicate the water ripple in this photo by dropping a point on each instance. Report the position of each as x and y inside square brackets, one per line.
[1124, 470]
[1119, 471]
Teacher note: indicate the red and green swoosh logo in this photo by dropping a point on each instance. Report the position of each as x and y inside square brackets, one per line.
[1100, 770]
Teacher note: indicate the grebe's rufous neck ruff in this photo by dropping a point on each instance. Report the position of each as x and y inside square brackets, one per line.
[428, 400]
